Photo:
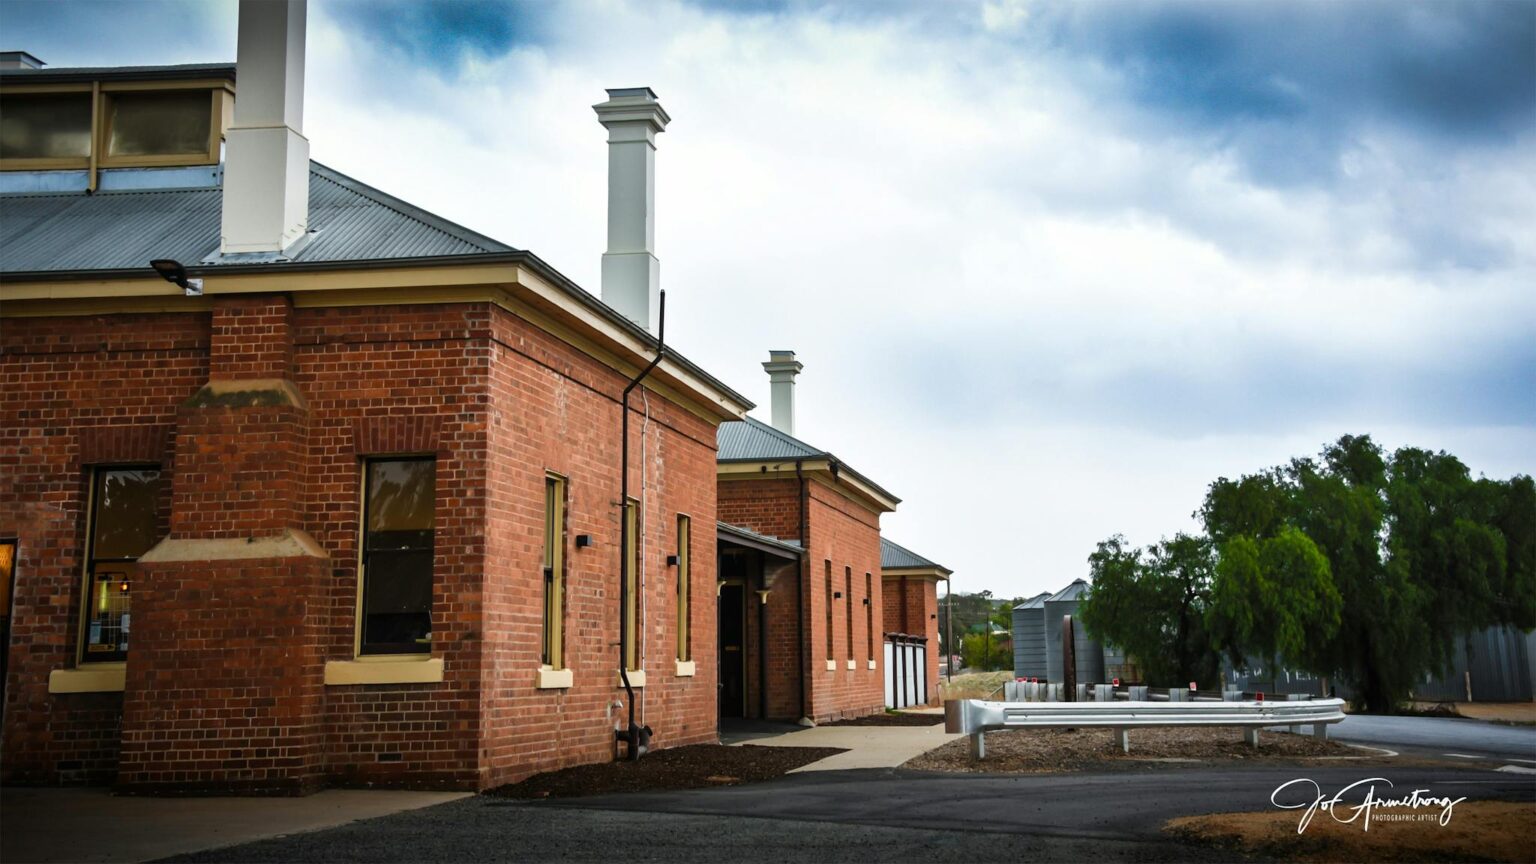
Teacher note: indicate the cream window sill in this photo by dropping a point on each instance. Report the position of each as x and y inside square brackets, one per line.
[871, 664]
[853, 664]
[636, 679]
[831, 665]
[108, 679]
[554, 679]
[686, 668]
[423, 670]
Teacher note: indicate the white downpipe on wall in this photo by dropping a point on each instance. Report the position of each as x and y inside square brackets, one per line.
[266, 172]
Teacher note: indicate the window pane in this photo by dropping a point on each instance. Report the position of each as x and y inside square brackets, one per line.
[401, 503]
[50, 127]
[157, 124]
[126, 501]
[397, 602]
[106, 636]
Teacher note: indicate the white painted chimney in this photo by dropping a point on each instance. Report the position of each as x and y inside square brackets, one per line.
[782, 367]
[266, 171]
[631, 273]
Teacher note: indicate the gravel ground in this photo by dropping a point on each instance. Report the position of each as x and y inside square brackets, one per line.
[1045, 750]
[694, 767]
[889, 719]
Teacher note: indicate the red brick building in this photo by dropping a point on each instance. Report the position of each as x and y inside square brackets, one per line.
[339, 503]
[910, 583]
[811, 641]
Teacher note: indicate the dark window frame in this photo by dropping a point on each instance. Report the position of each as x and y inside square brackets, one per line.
[97, 477]
[389, 649]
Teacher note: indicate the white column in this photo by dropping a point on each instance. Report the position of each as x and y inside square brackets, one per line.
[782, 367]
[631, 273]
[266, 171]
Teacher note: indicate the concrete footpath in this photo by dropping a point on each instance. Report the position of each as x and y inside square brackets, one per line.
[867, 746]
[92, 825]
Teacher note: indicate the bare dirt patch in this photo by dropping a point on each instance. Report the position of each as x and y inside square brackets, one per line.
[1046, 750]
[1477, 831]
[1511, 713]
[899, 718]
[693, 767]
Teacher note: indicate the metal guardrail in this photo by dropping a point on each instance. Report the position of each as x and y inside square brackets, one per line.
[976, 717]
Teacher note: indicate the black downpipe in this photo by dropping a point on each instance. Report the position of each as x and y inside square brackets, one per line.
[805, 588]
[636, 738]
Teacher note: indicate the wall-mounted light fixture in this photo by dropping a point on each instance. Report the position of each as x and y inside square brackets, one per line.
[583, 541]
[762, 596]
[671, 560]
[866, 601]
[172, 271]
[837, 595]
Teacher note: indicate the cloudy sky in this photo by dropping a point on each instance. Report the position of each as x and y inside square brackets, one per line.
[1051, 267]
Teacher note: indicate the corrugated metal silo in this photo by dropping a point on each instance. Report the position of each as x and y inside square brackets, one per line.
[1029, 638]
[1088, 654]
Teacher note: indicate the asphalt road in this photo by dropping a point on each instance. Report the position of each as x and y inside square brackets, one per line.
[1440, 736]
[857, 816]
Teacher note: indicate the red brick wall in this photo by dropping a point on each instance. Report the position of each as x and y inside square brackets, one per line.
[497, 401]
[74, 391]
[912, 607]
[846, 534]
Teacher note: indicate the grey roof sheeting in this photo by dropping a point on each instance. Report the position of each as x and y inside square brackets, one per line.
[752, 440]
[1076, 591]
[746, 536]
[894, 557]
[1035, 602]
[67, 236]
[351, 221]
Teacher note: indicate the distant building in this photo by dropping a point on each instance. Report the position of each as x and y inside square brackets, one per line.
[910, 584]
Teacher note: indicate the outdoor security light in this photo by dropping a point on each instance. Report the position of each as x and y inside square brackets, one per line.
[177, 275]
[583, 541]
[671, 560]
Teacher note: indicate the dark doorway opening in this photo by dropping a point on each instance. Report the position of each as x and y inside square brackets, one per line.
[733, 650]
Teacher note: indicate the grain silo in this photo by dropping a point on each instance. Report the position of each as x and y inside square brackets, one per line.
[1029, 638]
[1088, 654]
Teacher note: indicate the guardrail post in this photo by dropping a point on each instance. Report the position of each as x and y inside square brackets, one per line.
[1231, 695]
[1138, 693]
[1251, 735]
[1320, 731]
[1295, 729]
[1103, 693]
[1177, 695]
[1123, 740]
[978, 745]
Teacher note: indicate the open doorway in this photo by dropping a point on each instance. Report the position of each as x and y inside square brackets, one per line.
[733, 649]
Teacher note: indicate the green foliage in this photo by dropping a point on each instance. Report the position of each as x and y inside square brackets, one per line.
[1360, 566]
[974, 650]
[1154, 605]
[1384, 563]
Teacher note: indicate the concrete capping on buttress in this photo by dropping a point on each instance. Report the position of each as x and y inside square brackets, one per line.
[248, 393]
[291, 543]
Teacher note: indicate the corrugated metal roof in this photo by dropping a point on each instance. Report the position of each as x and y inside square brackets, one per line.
[893, 557]
[1035, 602]
[737, 532]
[1076, 591]
[351, 221]
[752, 440]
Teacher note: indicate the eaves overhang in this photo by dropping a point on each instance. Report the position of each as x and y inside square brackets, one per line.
[829, 470]
[933, 573]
